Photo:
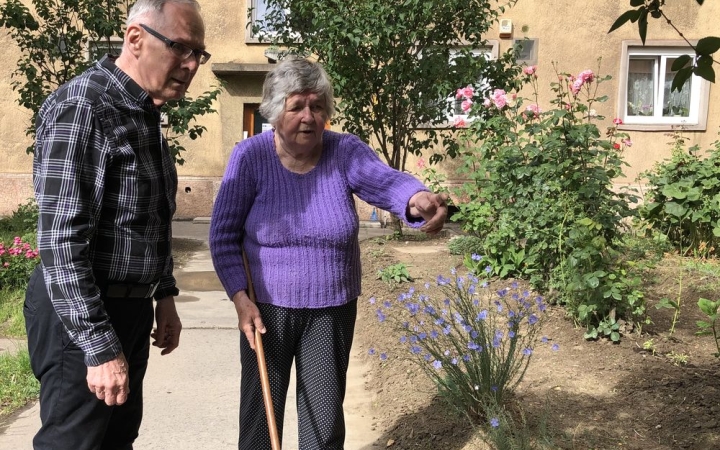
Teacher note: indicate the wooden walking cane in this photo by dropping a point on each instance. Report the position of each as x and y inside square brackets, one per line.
[264, 380]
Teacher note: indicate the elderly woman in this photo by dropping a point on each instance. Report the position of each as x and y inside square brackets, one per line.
[287, 199]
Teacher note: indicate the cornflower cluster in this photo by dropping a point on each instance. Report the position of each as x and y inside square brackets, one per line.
[17, 263]
[475, 343]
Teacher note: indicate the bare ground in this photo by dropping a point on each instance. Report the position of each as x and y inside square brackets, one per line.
[587, 395]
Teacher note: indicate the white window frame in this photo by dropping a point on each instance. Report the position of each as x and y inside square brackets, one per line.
[660, 51]
[490, 50]
[252, 6]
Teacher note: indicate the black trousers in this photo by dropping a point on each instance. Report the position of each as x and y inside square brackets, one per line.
[72, 416]
[319, 340]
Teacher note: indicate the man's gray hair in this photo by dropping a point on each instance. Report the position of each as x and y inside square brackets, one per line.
[145, 8]
[294, 75]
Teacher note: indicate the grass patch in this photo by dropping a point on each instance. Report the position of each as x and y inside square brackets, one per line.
[18, 385]
[12, 322]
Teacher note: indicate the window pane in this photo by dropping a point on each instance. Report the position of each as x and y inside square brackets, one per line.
[262, 10]
[640, 89]
[676, 104]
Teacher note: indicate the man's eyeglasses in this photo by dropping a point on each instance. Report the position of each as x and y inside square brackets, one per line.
[180, 50]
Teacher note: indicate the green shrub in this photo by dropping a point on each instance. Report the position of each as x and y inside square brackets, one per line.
[396, 273]
[465, 245]
[683, 199]
[541, 193]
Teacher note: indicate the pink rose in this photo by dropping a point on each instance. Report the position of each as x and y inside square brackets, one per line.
[466, 92]
[535, 109]
[499, 98]
[587, 76]
[460, 123]
[617, 121]
[529, 70]
[487, 103]
[421, 163]
[466, 105]
[627, 142]
[576, 86]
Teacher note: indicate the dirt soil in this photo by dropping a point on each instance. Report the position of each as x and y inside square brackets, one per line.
[637, 394]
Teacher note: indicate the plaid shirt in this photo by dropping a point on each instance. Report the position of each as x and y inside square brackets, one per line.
[105, 183]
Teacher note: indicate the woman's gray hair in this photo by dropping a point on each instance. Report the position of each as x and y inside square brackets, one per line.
[294, 75]
[145, 8]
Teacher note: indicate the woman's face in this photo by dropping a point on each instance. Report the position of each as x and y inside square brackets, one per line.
[302, 122]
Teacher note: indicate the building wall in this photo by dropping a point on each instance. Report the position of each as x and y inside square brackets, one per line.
[574, 34]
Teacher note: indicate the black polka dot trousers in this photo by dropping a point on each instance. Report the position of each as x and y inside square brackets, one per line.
[319, 341]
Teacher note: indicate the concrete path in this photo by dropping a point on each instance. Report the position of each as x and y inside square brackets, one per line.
[192, 395]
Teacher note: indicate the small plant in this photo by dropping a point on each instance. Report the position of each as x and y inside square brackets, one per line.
[473, 342]
[678, 359]
[649, 346]
[396, 273]
[709, 326]
[17, 263]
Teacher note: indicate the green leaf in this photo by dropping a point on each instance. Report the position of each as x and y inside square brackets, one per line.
[637, 2]
[642, 24]
[615, 336]
[681, 76]
[631, 15]
[708, 307]
[708, 45]
[675, 209]
[705, 72]
[681, 62]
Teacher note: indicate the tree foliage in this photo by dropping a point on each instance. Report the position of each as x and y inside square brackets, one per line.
[393, 63]
[55, 39]
[685, 65]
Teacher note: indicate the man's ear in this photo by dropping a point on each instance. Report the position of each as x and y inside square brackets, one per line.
[134, 39]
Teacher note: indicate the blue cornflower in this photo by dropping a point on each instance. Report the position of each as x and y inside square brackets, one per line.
[527, 351]
[441, 281]
[427, 285]
[447, 330]
[422, 335]
[482, 315]
[501, 293]
[467, 328]
[413, 308]
[411, 291]
[555, 347]
[434, 334]
[499, 306]
[494, 422]
[430, 310]
[488, 269]
[446, 353]
[413, 339]
[474, 334]
[472, 345]
[454, 361]
[415, 350]
[403, 339]
[532, 320]
[496, 343]
[371, 351]
[471, 289]
[544, 339]
[484, 284]
[383, 356]
[514, 285]
[475, 257]
[466, 357]
[439, 321]
[372, 300]
[387, 303]
[511, 334]
[380, 316]
[494, 388]
[427, 357]
[437, 364]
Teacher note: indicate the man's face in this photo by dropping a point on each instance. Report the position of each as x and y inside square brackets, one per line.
[164, 74]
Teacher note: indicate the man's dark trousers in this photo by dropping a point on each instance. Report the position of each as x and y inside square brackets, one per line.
[72, 416]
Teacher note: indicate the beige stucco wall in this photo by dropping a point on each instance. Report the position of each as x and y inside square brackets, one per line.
[572, 33]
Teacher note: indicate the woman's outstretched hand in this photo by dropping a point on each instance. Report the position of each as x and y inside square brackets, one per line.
[432, 208]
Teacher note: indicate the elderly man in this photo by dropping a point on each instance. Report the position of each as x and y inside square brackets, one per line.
[105, 183]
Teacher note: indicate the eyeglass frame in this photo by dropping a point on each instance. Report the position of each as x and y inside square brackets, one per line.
[174, 46]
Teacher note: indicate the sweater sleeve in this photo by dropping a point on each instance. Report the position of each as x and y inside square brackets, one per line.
[377, 183]
[227, 224]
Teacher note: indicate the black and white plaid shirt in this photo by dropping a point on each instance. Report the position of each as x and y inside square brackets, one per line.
[105, 183]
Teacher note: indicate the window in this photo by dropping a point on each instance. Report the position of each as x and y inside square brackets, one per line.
[527, 51]
[456, 111]
[98, 49]
[646, 100]
[259, 9]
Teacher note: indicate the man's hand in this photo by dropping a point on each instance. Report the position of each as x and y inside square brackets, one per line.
[432, 208]
[248, 316]
[167, 334]
[110, 381]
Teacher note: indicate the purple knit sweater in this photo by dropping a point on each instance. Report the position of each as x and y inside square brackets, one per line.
[300, 232]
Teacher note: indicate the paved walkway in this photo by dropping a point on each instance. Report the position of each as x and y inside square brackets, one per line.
[192, 395]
